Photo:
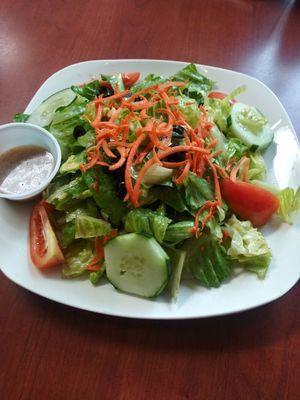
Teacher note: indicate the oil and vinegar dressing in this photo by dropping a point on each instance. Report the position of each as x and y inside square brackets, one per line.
[24, 168]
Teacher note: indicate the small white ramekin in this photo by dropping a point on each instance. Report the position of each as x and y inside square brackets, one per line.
[23, 134]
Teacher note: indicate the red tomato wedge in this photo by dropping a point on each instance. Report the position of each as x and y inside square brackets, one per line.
[250, 202]
[130, 78]
[221, 96]
[44, 248]
[217, 95]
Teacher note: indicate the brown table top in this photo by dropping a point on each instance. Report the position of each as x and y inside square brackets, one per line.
[50, 351]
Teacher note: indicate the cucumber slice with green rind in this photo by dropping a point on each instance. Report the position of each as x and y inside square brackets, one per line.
[43, 115]
[249, 125]
[137, 264]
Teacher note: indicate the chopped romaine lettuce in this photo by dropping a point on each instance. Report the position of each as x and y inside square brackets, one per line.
[206, 258]
[115, 81]
[197, 191]
[20, 117]
[89, 90]
[73, 162]
[67, 234]
[234, 147]
[65, 196]
[88, 227]
[248, 246]
[257, 169]
[97, 275]
[189, 109]
[106, 196]
[149, 80]
[147, 221]
[170, 196]
[64, 122]
[179, 231]
[289, 203]
[78, 255]
[197, 85]
[177, 258]
[87, 207]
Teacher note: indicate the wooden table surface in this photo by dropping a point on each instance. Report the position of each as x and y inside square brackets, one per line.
[50, 351]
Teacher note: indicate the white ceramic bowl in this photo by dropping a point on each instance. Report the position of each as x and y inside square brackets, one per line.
[23, 134]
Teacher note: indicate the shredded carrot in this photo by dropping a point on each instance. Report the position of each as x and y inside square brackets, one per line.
[174, 164]
[245, 163]
[133, 150]
[121, 161]
[107, 150]
[221, 171]
[151, 144]
[184, 173]
[93, 267]
[116, 96]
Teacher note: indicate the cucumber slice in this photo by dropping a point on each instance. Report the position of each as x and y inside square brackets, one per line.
[249, 125]
[43, 115]
[137, 264]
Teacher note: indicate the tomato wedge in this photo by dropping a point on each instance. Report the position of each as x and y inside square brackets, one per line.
[220, 95]
[250, 202]
[217, 95]
[130, 78]
[44, 248]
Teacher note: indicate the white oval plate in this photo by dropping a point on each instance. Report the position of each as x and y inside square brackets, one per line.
[242, 292]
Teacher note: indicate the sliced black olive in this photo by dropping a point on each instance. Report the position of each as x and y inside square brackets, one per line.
[78, 131]
[177, 136]
[186, 92]
[126, 96]
[119, 175]
[105, 91]
[178, 131]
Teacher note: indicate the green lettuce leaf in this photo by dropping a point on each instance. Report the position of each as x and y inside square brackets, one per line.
[65, 120]
[78, 255]
[169, 196]
[142, 220]
[189, 109]
[84, 209]
[177, 258]
[86, 140]
[234, 147]
[64, 196]
[115, 81]
[67, 234]
[179, 231]
[89, 90]
[106, 197]
[289, 203]
[197, 191]
[20, 117]
[87, 208]
[248, 246]
[149, 80]
[71, 165]
[97, 275]
[207, 260]
[88, 227]
[257, 169]
[197, 85]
